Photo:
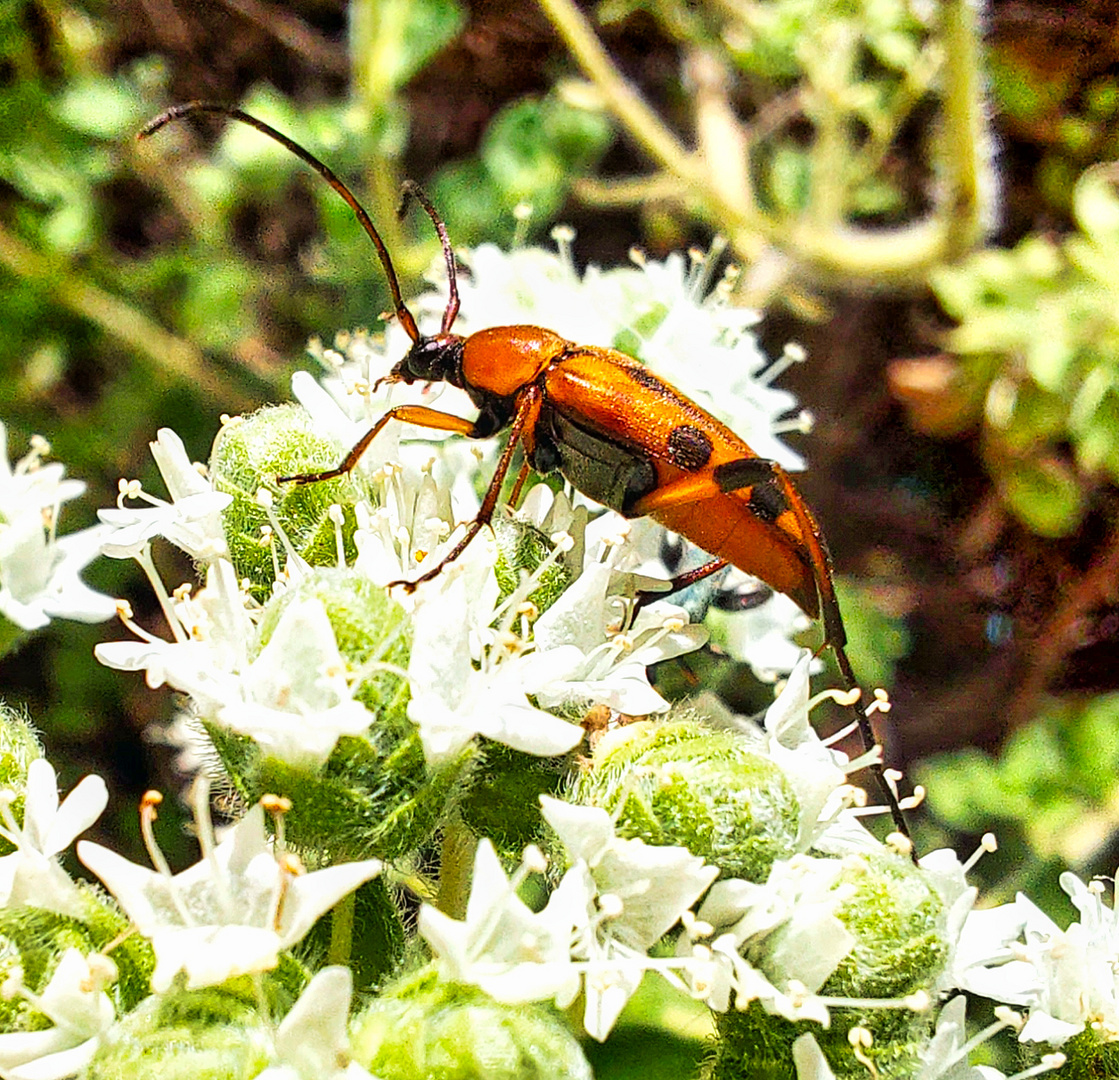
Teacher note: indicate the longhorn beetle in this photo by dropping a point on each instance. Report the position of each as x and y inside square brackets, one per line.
[615, 431]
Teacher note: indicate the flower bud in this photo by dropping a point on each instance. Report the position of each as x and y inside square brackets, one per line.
[19, 746]
[422, 1027]
[680, 782]
[376, 795]
[899, 925]
[248, 455]
[193, 1035]
[523, 547]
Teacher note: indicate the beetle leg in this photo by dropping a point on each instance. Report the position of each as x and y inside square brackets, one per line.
[522, 476]
[528, 411]
[420, 415]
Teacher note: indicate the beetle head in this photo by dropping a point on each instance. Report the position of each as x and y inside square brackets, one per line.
[437, 358]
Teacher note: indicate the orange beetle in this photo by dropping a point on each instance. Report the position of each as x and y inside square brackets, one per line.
[613, 429]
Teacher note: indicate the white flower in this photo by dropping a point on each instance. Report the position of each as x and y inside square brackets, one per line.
[211, 635]
[39, 574]
[943, 1059]
[776, 943]
[30, 485]
[513, 954]
[1066, 978]
[293, 700]
[32, 875]
[594, 663]
[633, 893]
[232, 912]
[412, 528]
[191, 521]
[452, 701]
[312, 1042]
[75, 1000]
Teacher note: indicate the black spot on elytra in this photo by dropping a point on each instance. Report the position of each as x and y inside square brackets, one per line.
[644, 378]
[767, 501]
[689, 448]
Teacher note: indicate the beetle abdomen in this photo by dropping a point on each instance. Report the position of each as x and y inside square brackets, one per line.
[601, 468]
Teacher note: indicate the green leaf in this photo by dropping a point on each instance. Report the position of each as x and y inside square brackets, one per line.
[1046, 496]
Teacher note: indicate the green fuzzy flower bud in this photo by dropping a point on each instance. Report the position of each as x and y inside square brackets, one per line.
[898, 922]
[375, 796]
[249, 454]
[194, 1035]
[522, 547]
[421, 1027]
[680, 782]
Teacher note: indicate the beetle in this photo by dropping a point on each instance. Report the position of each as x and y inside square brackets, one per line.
[619, 434]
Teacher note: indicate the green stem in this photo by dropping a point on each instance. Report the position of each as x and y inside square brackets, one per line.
[455, 866]
[740, 221]
[342, 931]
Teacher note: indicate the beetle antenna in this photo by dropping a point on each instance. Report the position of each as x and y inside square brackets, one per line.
[411, 190]
[177, 112]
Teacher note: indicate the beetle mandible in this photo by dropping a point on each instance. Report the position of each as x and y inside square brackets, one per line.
[612, 428]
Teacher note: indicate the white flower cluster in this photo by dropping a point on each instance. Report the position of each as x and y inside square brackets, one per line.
[667, 314]
[230, 914]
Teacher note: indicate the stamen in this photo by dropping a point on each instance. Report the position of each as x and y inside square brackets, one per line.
[881, 702]
[846, 698]
[802, 424]
[792, 354]
[988, 843]
[522, 215]
[862, 1040]
[144, 558]
[564, 237]
[148, 803]
[276, 806]
[204, 827]
[900, 843]
[124, 613]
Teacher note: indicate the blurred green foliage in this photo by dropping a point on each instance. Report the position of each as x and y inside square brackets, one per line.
[1054, 787]
[1038, 342]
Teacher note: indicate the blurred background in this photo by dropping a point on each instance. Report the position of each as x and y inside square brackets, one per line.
[917, 195]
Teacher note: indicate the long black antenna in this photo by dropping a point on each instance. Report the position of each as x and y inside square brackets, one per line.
[177, 112]
[411, 190]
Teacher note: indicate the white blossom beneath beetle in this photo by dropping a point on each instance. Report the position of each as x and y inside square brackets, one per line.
[229, 914]
[775, 943]
[633, 893]
[453, 701]
[514, 954]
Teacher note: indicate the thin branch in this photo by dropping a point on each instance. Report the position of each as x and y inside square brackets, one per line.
[116, 317]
